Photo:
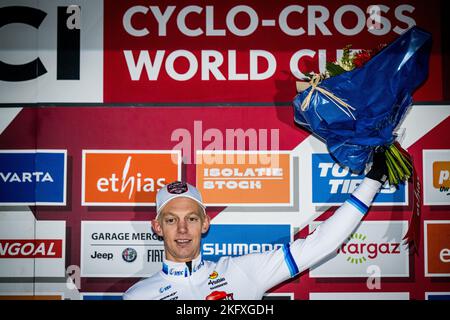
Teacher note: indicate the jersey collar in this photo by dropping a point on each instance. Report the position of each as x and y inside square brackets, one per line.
[180, 269]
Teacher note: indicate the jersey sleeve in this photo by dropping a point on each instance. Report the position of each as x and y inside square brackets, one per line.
[270, 268]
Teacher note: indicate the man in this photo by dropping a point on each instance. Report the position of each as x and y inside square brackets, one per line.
[181, 220]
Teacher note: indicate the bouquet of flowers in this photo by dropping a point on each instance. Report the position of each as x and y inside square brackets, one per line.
[356, 105]
[358, 102]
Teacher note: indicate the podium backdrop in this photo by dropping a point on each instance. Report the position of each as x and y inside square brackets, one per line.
[104, 102]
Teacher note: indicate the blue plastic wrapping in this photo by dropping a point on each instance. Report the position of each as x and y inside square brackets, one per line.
[380, 92]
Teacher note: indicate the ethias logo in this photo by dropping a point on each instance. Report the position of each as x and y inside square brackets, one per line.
[127, 178]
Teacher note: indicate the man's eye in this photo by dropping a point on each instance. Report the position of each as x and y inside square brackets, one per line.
[193, 219]
[170, 221]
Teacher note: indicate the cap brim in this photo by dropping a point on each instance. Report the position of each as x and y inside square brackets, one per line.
[180, 196]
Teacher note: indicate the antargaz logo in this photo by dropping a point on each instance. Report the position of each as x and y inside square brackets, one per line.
[360, 251]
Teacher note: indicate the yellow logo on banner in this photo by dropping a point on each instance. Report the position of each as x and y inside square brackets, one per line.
[244, 177]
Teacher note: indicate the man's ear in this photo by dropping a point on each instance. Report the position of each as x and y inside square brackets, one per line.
[157, 227]
[206, 223]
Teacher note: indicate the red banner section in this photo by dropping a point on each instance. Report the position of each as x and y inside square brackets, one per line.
[251, 52]
[12, 248]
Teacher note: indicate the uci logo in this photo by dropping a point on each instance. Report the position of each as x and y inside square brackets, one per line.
[67, 48]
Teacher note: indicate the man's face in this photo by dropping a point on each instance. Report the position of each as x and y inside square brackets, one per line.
[181, 223]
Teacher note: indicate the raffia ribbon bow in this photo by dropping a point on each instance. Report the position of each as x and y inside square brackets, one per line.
[314, 83]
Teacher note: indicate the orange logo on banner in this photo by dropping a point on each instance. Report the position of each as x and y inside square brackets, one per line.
[441, 174]
[242, 178]
[438, 248]
[127, 178]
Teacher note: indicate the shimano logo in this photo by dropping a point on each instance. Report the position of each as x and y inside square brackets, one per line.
[25, 177]
[234, 249]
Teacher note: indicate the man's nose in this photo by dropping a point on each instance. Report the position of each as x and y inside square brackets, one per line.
[182, 226]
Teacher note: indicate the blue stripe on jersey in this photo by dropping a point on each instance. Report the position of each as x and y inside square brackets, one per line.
[292, 266]
[358, 204]
[165, 268]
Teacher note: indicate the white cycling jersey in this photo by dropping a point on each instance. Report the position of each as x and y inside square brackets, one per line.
[249, 276]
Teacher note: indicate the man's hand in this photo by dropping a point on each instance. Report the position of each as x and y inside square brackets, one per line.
[379, 169]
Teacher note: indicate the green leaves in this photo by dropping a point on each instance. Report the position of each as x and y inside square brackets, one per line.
[334, 69]
[400, 167]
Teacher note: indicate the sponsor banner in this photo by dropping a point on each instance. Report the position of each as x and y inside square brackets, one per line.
[333, 184]
[218, 52]
[37, 248]
[33, 177]
[278, 296]
[436, 177]
[375, 248]
[31, 248]
[443, 296]
[101, 296]
[437, 248]
[239, 239]
[245, 178]
[120, 249]
[40, 296]
[359, 296]
[127, 177]
[49, 53]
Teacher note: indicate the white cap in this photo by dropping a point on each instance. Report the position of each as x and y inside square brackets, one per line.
[174, 190]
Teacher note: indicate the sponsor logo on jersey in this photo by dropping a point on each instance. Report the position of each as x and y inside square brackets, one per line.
[165, 288]
[215, 281]
[333, 184]
[220, 295]
[170, 296]
[32, 177]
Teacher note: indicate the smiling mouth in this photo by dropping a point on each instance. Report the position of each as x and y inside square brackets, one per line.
[183, 242]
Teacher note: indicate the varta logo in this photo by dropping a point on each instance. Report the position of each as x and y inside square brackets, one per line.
[24, 177]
